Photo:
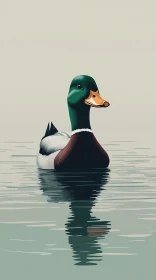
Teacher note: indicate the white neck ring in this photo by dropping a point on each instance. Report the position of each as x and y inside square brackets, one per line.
[81, 130]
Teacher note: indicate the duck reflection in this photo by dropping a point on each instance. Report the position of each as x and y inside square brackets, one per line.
[83, 229]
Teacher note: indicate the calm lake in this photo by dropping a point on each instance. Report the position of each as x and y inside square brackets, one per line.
[78, 225]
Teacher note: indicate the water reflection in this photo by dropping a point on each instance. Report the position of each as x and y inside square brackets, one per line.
[81, 190]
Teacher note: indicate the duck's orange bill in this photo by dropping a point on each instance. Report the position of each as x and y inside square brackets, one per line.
[95, 100]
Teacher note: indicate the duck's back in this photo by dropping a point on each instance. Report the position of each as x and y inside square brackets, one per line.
[83, 152]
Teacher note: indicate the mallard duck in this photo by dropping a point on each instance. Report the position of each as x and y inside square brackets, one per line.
[79, 150]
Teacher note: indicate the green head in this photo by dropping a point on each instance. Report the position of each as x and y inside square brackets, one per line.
[83, 94]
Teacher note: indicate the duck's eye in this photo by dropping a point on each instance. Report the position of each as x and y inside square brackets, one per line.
[79, 86]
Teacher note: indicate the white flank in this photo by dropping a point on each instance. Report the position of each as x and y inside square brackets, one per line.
[46, 162]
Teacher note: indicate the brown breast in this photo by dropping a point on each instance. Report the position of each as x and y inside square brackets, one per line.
[83, 152]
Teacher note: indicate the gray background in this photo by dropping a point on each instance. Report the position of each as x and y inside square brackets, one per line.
[45, 44]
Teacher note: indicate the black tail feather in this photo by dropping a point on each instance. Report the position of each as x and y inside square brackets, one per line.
[47, 131]
[51, 130]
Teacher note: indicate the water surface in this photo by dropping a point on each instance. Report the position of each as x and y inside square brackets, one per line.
[51, 223]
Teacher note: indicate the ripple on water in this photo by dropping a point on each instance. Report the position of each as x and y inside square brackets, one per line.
[90, 217]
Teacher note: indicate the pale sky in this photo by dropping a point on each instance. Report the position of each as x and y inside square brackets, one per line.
[45, 44]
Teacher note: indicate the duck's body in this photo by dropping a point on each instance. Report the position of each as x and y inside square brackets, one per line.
[83, 152]
[80, 150]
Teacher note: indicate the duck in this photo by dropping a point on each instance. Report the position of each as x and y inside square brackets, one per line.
[78, 150]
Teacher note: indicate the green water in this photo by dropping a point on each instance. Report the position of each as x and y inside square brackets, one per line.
[84, 225]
